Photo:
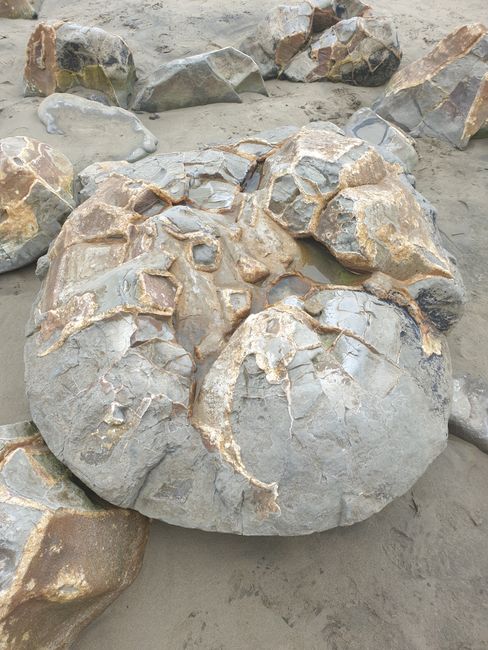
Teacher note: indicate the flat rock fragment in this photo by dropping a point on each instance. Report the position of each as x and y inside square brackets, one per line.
[243, 359]
[35, 197]
[469, 411]
[358, 51]
[367, 125]
[445, 94]
[62, 56]
[110, 132]
[65, 556]
[217, 76]
[19, 8]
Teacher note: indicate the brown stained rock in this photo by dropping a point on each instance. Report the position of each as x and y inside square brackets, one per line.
[65, 557]
[358, 51]
[35, 197]
[61, 56]
[19, 8]
[329, 12]
[229, 373]
[445, 94]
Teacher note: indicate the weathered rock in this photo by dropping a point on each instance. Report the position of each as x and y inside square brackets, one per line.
[19, 8]
[35, 197]
[65, 557]
[469, 411]
[358, 51]
[110, 132]
[217, 76]
[225, 376]
[367, 125]
[61, 56]
[445, 94]
[330, 12]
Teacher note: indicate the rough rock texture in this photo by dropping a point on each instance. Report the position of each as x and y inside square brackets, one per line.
[35, 197]
[123, 135]
[229, 374]
[65, 557]
[61, 56]
[469, 411]
[358, 51]
[19, 8]
[445, 94]
[321, 39]
[217, 76]
[367, 125]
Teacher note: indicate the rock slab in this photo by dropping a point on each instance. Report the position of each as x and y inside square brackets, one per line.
[445, 94]
[469, 413]
[36, 184]
[61, 56]
[110, 132]
[65, 557]
[217, 76]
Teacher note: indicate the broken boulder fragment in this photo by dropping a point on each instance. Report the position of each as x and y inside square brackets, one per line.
[35, 197]
[358, 51]
[367, 125]
[217, 76]
[230, 373]
[469, 411]
[61, 56]
[445, 94]
[65, 555]
[19, 8]
[110, 132]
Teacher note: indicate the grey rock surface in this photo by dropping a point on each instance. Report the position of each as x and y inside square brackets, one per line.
[208, 369]
[65, 556]
[469, 411]
[110, 132]
[367, 125]
[445, 94]
[217, 76]
[36, 195]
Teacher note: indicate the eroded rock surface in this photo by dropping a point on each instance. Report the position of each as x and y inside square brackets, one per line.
[65, 557]
[321, 39]
[61, 56]
[469, 413]
[229, 373]
[217, 76]
[36, 184]
[110, 132]
[445, 94]
[367, 125]
[19, 8]
[358, 51]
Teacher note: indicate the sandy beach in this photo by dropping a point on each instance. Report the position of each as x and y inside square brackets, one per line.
[413, 577]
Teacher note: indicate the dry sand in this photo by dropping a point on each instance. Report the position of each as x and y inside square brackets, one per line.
[415, 576]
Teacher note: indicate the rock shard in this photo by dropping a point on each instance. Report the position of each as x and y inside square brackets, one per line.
[19, 8]
[230, 373]
[469, 412]
[217, 76]
[65, 556]
[445, 94]
[117, 133]
[36, 184]
[316, 40]
[62, 56]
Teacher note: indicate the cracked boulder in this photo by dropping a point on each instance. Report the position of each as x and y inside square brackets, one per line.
[19, 8]
[62, 56]
[445, 94]
[358, 51]
[35, 197]
[230, 373]
[110, 132]
[469, 412]
[65, 555]
[217, 76]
